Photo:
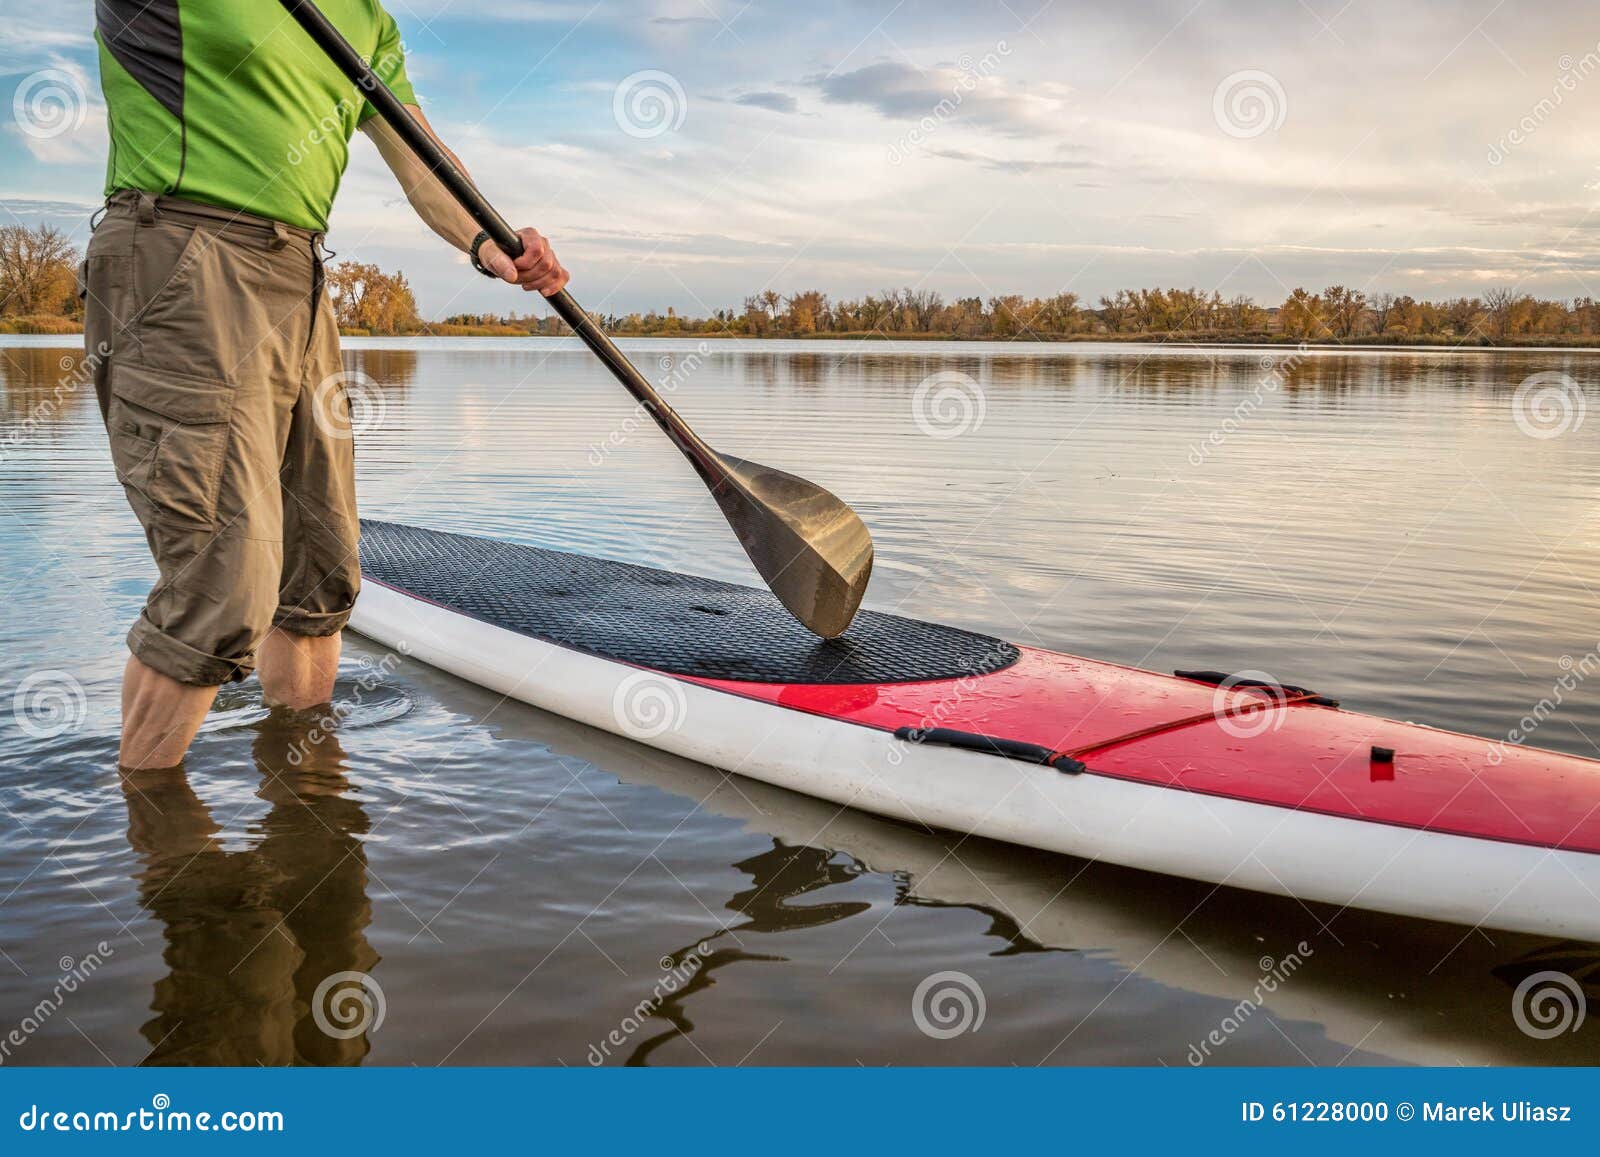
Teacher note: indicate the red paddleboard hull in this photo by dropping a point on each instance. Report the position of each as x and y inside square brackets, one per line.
[1267, 788]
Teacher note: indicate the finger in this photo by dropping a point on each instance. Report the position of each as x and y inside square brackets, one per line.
[553, 284]
[496, 262]
[534, 249]
[539, 271]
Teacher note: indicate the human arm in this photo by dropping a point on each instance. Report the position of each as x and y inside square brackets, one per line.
[537, 269]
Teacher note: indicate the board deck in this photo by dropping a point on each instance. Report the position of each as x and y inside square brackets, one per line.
[1302, 797]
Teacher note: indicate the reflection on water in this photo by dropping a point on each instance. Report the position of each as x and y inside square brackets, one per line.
[495, 885]
[251, 934]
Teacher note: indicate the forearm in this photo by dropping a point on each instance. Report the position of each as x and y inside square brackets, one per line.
[423, 189]
[535, 268]
[440, 211]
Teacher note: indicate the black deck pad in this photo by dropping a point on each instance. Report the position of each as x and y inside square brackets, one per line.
[672, 622]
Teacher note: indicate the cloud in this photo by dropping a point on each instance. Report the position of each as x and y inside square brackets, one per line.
[1011, 164]
[773, 101]
[522, 11]
[36, 34]
[975, 95]
[38, 207]
[57, 115]
[905, 159]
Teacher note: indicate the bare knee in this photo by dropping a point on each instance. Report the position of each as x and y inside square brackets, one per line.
[298, 671]
[160, 716]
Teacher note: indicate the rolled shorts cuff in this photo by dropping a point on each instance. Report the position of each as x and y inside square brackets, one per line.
[298, 621]
[177, 660]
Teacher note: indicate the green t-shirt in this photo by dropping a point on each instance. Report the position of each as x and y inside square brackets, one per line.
[230, 103]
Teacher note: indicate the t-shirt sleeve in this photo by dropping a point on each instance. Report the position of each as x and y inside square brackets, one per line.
[389, 62]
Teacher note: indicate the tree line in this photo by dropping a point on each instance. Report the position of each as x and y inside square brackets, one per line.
[38, 288]
[1336, 314]
[38, 268]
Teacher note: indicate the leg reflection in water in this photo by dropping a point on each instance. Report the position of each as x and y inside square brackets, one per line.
[251, 935]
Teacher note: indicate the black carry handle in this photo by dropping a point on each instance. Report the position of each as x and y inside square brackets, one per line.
[991, 745]
[1287, 690]
[420, 141]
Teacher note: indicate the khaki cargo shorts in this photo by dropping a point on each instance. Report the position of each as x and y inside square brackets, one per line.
[219, 379]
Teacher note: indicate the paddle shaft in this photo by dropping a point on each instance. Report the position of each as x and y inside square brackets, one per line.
[421, 142]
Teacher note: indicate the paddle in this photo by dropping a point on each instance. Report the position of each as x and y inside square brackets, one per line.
[812, 549]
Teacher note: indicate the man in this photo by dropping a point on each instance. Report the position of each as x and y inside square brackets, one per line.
[221, 385]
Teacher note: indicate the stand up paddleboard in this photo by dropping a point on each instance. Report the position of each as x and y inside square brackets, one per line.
[1255, 786]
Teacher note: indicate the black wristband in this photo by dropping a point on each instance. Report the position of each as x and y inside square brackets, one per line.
[472, 252]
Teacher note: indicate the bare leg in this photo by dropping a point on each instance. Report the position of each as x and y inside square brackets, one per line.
[159, 716]
[298, 670]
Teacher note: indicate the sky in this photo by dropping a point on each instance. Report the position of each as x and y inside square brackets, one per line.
[688, 153]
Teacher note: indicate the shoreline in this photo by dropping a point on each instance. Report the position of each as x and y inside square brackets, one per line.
[29, 327]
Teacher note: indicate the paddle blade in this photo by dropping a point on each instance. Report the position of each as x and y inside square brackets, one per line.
[812, 549]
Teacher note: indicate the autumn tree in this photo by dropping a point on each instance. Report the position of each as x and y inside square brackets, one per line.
[1342, 310]
[1301, 316]
[38, 271]
[1007, 315]
[1243, 314]
[1382, 307]
[807, 312]
[365, 297]
[966, 317]
[1116, 310]
[1404, 316]
[757, 317]
[1058, 314]
[1464, 317]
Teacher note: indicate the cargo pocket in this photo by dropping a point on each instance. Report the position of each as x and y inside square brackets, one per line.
[169, 440]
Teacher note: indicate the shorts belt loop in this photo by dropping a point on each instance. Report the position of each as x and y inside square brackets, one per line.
[147, 208]
[281, 236]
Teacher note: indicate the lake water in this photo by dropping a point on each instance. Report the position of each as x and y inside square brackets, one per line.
[1400, 529]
